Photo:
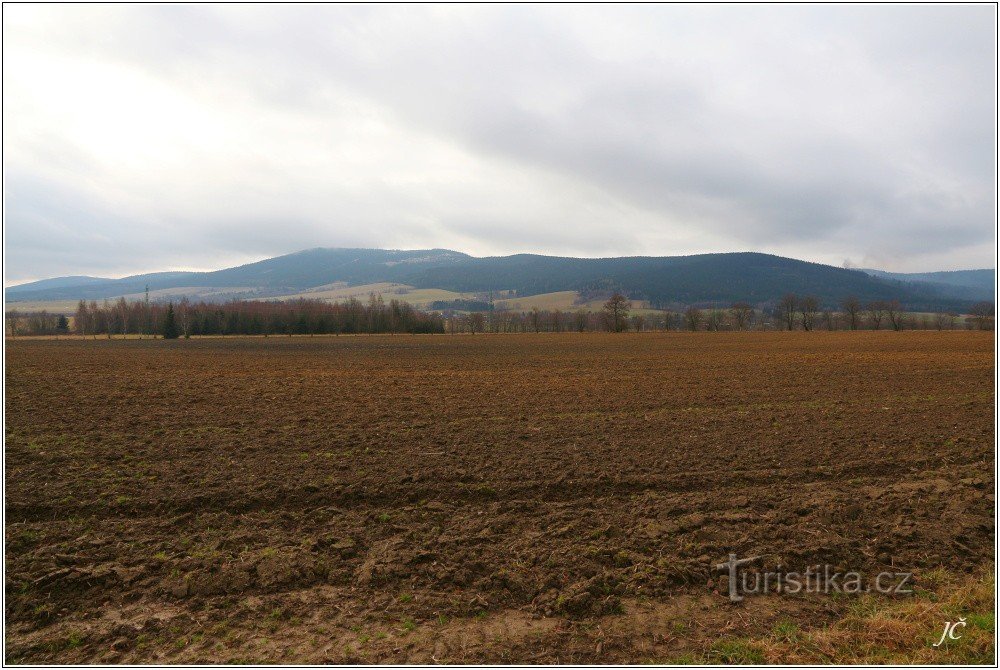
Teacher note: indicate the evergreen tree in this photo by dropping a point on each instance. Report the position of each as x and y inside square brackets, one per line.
[62, 324]
[170, 324]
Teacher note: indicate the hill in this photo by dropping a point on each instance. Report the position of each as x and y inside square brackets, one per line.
[965, 284]
[703, 279]
[292, 272]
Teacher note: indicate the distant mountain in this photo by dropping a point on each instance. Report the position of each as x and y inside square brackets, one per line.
[961, 284]
[60, 282]
[273, 276]
[703, 279]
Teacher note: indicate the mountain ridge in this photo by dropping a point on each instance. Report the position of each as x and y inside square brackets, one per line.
[968, 284]
[692, 279]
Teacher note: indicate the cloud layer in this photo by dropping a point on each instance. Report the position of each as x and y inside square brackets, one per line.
[145, 137]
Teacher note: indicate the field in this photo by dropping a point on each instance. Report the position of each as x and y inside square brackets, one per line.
[495, 498]
[569, 301]
[418, 297]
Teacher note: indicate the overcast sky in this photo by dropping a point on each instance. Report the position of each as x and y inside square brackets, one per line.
[183, 137]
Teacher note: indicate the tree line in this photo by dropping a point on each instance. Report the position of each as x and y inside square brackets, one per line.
[315, 317]
[240, 317]
[791, 312]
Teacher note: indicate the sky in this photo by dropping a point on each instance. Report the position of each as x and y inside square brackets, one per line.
[142, 138]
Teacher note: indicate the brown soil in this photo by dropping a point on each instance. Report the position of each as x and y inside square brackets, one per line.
[549, 498]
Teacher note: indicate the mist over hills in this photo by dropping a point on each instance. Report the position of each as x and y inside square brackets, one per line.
[706, 279]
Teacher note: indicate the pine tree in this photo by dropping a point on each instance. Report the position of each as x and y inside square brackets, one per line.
[170, 324]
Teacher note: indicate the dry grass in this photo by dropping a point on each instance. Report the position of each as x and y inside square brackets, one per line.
[66, 307]
[877, 630]
[335, 292]
[418, 297]
[568, 301]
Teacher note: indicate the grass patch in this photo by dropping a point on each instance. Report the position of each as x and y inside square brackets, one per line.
[736, 652]
[877, 630]
[786, 630]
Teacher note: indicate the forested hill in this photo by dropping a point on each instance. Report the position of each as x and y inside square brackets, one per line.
[703, 278]
[698, 279]
[968, 284]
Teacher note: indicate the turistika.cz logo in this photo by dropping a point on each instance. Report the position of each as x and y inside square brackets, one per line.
[814, 579]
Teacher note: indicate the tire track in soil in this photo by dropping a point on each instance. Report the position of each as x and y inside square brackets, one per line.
[391, 495]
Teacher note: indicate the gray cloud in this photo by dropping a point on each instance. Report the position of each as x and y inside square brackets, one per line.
[150, 137]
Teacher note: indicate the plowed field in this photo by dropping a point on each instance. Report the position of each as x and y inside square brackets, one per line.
[523, 498]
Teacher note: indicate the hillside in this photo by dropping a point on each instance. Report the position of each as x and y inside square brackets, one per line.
[703, 279]
[296, 271]
[966, 284]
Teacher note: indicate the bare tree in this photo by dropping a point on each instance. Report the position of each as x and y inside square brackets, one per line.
[147, 323]
[12, 318]
[894, 311]
[535, 316]
[693, 317]
[95, 315]
[376, 312]
[616, 313]
[477, 322]
[184, 316]
[580, 320]
[742, 314]
[715, 320]
[876, 312]
[557, 321]
[81, 319]
[112, 317]
[122, 308]
[808, 306]
[786, 310]
[982, 315]
[852, 308]
[829, 320]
